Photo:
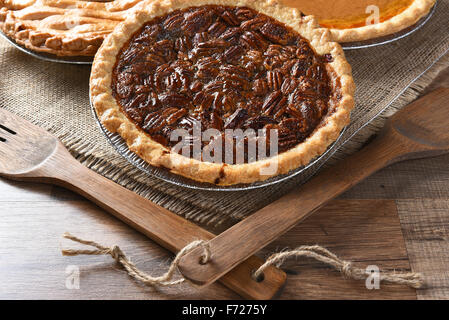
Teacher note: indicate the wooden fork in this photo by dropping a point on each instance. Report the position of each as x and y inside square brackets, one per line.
[29, 153]
[419, 130]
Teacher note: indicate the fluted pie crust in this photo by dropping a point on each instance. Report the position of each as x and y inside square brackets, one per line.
[400, 16]
[405, 19]
[115, 120]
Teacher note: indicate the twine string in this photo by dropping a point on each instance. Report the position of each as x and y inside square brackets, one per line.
[411, 279]
[117, 254]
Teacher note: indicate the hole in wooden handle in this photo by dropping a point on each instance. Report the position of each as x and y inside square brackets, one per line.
[258, 278]
[203, 260]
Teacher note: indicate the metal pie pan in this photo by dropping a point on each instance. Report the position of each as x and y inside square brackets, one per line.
[47, 56]
[164, 174]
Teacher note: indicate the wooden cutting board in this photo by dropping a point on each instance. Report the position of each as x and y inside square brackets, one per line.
[33, 218]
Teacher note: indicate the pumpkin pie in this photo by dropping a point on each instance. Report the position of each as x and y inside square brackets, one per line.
[222, 66]
[357, 20]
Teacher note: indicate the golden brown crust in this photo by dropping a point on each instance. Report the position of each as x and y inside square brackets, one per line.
[62, 27]
[77, 28]
[154, 153]
[407, 18]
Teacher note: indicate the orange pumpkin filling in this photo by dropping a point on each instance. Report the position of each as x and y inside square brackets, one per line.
[347, 14]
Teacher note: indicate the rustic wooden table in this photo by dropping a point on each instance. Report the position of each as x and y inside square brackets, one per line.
[396, 219]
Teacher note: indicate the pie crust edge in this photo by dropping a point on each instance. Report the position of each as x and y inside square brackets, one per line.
[114, 120]
[407, 18]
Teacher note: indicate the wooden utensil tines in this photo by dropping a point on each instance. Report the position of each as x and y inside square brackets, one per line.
[29, 153]
[419, 130]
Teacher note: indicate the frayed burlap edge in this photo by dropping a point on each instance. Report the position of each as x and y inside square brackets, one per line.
[409, 95]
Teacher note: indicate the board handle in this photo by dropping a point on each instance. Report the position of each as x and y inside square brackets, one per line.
[159, 224]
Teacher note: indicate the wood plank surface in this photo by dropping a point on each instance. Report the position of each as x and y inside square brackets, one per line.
[30, 251]
[425, 223]
[412, 179]
[33, 267]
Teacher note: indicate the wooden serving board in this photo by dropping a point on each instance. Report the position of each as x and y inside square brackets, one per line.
[33, 217]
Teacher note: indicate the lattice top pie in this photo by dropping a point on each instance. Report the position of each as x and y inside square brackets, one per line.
[62, 27]
[222, 66]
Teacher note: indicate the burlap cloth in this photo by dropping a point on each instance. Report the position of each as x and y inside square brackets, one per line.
[55, 96]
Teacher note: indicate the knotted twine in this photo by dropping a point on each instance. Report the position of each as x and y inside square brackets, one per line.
[117, 254]
[411, 279]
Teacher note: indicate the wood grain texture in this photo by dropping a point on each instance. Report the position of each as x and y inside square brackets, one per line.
[425, 224]
[33, 267]
[430, 177]
[417, 131]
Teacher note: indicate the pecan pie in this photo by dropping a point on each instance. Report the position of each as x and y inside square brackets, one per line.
[222, 65]
[357, 20]
[62, 27]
